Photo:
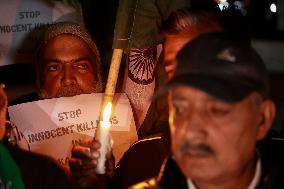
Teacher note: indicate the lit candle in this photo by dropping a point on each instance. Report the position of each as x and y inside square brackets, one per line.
[102, 135]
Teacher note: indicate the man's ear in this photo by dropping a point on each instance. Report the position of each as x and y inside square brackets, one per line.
[268, 112]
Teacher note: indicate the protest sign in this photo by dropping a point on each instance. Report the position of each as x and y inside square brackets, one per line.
[52, 126]
[20, 17]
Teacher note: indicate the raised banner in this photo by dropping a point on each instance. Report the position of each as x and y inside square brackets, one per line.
[51, 127]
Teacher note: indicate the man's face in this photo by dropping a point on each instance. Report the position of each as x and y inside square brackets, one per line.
[213, 140]
[172, 45]
[68, 68]
[174, 42]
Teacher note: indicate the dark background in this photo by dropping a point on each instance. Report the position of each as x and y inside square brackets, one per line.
[265, 27]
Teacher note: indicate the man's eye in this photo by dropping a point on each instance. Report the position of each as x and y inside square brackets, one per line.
[219, 110]
[52, 68]
[83, 66]
[179, 109]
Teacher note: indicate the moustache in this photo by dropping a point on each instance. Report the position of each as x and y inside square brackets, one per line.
[196, 149]
[71, 90]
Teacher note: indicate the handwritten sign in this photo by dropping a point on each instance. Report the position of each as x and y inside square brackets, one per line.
[20, 17]
[52, 126]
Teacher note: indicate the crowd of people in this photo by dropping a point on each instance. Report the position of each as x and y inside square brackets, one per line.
[207, 127]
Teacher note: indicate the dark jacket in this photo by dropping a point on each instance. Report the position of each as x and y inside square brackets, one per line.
[141, 161]
[272, 177]
[39, 172]
[156, 120]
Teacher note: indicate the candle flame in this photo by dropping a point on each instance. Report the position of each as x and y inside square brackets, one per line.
[107, 112]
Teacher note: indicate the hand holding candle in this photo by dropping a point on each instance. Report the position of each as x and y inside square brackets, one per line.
[103, 136]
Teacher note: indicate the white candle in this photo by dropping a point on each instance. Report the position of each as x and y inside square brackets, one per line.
[104, 138]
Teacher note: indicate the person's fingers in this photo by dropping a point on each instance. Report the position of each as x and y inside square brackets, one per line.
[79, 163]
[75, 164]
[82, 152]
[79, 166]
[92, 144]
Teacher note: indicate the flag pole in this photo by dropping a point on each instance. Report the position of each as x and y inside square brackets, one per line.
[112, 77]
[102, 132]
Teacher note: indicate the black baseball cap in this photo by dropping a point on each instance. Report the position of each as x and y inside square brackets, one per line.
[224, 67]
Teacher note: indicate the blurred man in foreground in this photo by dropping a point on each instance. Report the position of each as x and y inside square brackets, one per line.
[219, 114]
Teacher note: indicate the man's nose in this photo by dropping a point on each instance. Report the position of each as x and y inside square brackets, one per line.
[68, 76]
[195, 126]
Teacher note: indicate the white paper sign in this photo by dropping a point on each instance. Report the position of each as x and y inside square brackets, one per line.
[52, 126]
[20, 17]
